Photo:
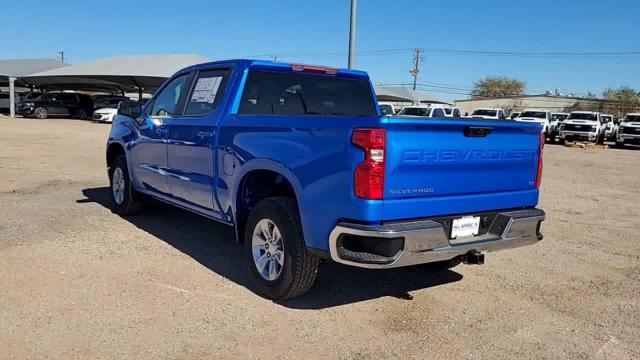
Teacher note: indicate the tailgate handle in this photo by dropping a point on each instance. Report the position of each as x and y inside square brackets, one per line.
[477, 131]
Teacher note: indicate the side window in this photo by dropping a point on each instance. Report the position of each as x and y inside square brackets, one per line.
[170, 100]
[437, 113]
[456, 112]
[207, 92]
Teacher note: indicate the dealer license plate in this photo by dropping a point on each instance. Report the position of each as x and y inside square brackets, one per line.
[465, 226]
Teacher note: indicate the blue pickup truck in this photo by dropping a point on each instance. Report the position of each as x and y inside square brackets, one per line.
[301, 162]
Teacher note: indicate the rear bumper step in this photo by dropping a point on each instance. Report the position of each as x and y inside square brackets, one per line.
[419, 242]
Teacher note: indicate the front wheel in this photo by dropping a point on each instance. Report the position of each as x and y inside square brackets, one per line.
[126, 201]
[41, 113]
[275, 253]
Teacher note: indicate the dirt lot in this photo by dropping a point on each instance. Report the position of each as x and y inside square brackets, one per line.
[80, 282]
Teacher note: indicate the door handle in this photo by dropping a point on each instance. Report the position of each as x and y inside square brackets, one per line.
[477, 131]
[205, 134]
[161, 131]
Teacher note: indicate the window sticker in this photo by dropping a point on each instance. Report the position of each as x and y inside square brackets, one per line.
[206, 90]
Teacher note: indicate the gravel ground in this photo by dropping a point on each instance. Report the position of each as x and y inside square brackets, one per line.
[80, 282]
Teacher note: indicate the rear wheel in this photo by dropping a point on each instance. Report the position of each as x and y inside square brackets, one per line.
[126, 201]
[81, 114]
[40, 113]
[275, 253]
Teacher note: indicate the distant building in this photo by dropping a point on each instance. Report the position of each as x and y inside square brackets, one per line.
[547, 102]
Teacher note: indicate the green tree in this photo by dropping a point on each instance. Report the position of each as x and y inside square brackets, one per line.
[620, 101]
[494, 87]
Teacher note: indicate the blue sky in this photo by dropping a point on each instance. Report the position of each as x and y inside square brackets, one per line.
[317, 32]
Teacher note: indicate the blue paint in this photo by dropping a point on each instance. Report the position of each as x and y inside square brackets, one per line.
[432, 168]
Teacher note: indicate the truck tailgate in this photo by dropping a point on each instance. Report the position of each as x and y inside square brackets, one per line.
[441, 167]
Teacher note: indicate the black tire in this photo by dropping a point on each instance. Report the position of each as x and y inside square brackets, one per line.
[131, 202]
[299, 269]
[619, 145]
[40, 113]
[81, 114]
[600, 139]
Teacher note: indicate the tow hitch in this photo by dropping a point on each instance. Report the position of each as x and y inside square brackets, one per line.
[473, 257]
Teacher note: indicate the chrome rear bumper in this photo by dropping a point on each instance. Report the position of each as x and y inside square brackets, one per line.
[427, 241]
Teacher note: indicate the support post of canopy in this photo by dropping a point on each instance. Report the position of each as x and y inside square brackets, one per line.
[12, 97]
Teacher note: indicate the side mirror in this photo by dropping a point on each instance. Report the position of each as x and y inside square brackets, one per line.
[131, 109]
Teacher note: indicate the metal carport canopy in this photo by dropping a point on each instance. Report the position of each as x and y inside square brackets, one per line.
[11, 71]
[402, 94]
[124, 73]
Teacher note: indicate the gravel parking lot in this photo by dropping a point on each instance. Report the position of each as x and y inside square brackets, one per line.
[81, 282]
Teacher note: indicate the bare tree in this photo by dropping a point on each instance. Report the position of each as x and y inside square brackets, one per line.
[497, 87]
[621, 101]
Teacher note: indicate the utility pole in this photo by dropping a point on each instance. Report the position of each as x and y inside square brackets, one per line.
[61, 53]
[417, 59]
[352, 35]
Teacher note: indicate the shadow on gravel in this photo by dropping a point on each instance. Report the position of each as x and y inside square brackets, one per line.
[213, 245]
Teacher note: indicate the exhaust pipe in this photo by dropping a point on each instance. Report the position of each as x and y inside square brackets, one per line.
[473, 258]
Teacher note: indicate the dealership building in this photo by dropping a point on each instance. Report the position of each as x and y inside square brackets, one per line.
[547, 102]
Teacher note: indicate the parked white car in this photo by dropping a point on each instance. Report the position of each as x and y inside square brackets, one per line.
[436, 111]
[452, 111]
[629, 130]
[105, 115]
[541, 117]
[583, 125]
[387, 109]
[489, 113]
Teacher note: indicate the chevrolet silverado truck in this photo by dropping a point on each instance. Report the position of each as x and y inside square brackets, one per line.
[582, 125]
[301, 162]
[629, 130]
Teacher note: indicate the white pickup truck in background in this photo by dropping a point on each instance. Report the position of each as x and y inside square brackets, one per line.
[610, 124]
[541, 117]
[554, 125]
[489, 113]
[629, 130]
[583, 125]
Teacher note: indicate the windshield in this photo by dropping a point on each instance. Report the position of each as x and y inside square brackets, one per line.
[481, 112]
[583, 116]
[606, 119]
[633, 118]
[412, 111]
[559, 117]
[448, 111]
[534, 114]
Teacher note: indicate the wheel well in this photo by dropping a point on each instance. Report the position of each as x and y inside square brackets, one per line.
[113, 151]
[255, 186]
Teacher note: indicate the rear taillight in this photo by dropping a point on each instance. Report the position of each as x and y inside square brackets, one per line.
[369, 174]
[540, 148]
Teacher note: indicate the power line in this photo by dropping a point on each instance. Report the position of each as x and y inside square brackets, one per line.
[532, 54]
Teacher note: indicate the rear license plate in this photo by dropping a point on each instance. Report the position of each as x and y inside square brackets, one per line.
[465, 226]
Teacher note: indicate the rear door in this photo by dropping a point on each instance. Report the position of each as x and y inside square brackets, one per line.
[191, 141]
[447, 160]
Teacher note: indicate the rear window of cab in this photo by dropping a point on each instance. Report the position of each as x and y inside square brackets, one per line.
[296, 94]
